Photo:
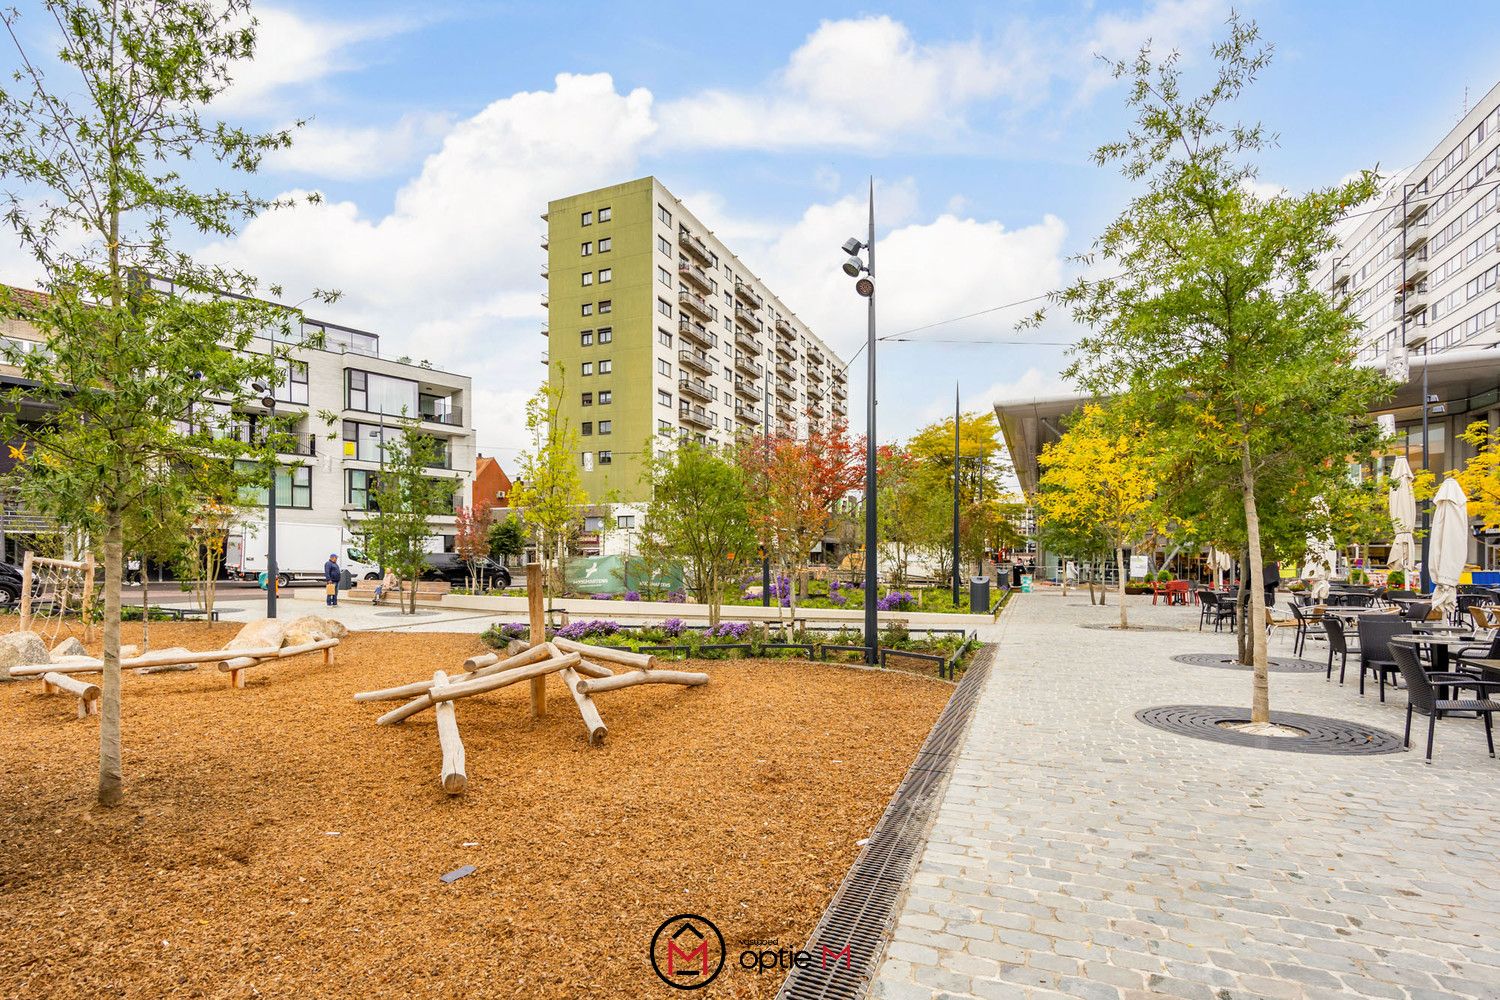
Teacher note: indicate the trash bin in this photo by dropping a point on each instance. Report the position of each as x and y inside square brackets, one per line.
[1015, 575]
[979, 595]
[346, 580]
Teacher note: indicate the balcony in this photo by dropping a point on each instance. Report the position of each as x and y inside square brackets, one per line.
[748, 414]
[695, 275]
[786, 350]
[695, 247]
[305, 445]
[1416, 271]
[545, 331]
[747, 319]
[696, 416]
[815, 354]
[784, 411]
[748, 343]
[1417, 204]
[1416, 237]
[697, 333]
[839, 392]
[696, 304]
[814, 374]
[786, 390]
[451, 416]
[840, 409]
[784, 330]
[698, 389]
[696, 360]
[748, 295]
[815, 392]
[745, 387]
[747, 364]
[785, 371]
[1412, 302]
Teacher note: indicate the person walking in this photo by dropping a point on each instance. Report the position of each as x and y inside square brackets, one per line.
[331, 578]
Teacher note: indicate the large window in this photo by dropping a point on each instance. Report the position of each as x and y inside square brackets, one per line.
[291, 381]
[374, 393]
[361, 486]
[293, 487]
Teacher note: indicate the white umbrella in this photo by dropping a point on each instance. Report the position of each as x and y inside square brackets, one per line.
[1448, 550]
[1220, 562]
[1319, 562]
[1403, 508]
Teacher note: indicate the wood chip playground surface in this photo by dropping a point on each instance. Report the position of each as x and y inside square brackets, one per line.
[275, 842]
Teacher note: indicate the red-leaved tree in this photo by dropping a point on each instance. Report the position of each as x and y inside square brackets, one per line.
[471, 538]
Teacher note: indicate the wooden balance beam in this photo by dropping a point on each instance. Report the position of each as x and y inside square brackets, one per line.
[166, 658]
[477, 685]
[87, 693]
[452, 776]
[589, 686]
[237, 665]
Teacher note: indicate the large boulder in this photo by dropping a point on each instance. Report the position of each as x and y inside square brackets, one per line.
[19, 649]
[68, 647]
[264, 634]
[311, 628]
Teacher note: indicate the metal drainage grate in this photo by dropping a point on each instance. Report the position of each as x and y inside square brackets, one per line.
[1229, 661]
[1115, 627]
[864, 907]
[1322, 735]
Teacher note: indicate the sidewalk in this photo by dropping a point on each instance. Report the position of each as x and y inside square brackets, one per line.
[1077, 852]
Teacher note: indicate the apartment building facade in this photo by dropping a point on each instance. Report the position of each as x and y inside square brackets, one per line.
[656, 328]
[328, 477]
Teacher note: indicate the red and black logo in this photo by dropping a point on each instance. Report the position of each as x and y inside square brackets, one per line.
[687, 951]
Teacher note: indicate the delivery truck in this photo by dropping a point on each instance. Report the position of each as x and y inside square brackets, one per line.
[301, 551]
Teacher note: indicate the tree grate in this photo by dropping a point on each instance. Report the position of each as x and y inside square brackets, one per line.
[864, 908]
[1230, 661]
[1321, 735]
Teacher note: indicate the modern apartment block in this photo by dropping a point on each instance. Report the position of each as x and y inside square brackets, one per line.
[328, 478]
[655, 327]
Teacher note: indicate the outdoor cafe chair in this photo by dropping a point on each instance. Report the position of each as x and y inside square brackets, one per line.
[1416, 611]
[1305, 620]
[1338, 642]
[1274, 624]
[1480, 618]
[1421, 695]
[1375, 633]
[1217, 609]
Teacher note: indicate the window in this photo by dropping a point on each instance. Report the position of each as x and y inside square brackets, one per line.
[605, 426]
[606, 396]
[605, 214]
[593, 522]
[664, 427]
[293, 487]
[664, 245]
[588, 461]
[606, 457]
[586, 338]
[606, 274]
[360, 488]
[587, 368]
[588, 309]
[291, 381]
[588, 399]
[588, 277]
[367, 442]
[626, 521]
[374, 393]
[664, 276]
[664, 398]
[606, 334]
[663, 337]
[663, 215]
[606, 305]
[606, 366]
[664, 307]
[606, 243]
[588, 218]
[586, 249]
[664, 367]
[587, 428]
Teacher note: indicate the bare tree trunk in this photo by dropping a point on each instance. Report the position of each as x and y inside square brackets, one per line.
[1260, 706]
[145, 606]
[1242, 619]
[111, 776]
[1120, 583]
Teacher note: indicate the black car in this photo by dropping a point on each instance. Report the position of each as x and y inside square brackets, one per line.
[10, 585]
[450, 568]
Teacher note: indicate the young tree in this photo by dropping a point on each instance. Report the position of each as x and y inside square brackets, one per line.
[698, 512]
[471, 538]
[1480, 476]
[100, 160]
[507, 539]
[402, 505]
[549, 493]
[1097, 479]
[1211, 319]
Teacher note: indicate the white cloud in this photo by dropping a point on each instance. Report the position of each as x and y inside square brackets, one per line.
[852, 83]
[356, 153]
[1184, 25]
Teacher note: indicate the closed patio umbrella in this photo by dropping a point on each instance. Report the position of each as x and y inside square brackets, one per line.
[1221, 563]
[1403, 508]
[1449, 548]
[1319, 562]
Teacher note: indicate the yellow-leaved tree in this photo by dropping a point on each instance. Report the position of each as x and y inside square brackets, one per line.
[1480, 476]
[1097, 481]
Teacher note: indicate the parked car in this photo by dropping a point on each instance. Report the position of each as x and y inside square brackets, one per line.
[450, 568]
[10, 585]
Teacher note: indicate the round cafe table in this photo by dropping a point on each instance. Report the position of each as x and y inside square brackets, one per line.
[1439, 645]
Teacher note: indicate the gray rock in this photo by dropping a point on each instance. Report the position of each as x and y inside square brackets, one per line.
[69, 647]
[21, 649]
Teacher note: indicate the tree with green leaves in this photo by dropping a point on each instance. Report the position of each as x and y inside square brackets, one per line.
[139, 339]
[1211, 318]
[507, 538]
[549, 492]
[403, 501]
[698, 512]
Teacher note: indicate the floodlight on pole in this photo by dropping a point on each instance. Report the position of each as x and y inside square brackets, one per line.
[853, 266]
[852, 246]
[864, 270]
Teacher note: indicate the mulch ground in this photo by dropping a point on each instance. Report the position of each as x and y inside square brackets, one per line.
[275, 842]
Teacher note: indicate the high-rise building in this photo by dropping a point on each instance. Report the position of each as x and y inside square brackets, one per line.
[655, 327]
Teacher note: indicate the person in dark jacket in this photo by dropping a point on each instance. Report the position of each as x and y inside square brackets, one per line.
[331, 579]
[1271, 579]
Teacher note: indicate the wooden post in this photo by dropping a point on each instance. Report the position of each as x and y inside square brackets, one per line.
[88, 596]
[452, 776]
[26, 571]
[534, 599]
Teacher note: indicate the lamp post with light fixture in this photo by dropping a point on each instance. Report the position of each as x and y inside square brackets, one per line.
[865, 286]
[268, 400]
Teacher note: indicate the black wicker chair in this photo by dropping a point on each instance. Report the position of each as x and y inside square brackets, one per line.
[1421, 695]
[1375, 632]
[1338, 642]
[1214, 608]
[1416, 611]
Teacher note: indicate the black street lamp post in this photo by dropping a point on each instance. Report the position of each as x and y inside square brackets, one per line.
[865, 286]
[268, 400]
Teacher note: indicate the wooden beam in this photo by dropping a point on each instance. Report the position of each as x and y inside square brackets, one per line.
[452, 776]
[529, 655]
[584, 666]
[624, 657]
[465, 689]
[586, 708]
[87, 694]
[594, 686]
[537, 616]
[27, 564]
[165, 658]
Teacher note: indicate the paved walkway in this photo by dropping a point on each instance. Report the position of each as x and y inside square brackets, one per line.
[1077, 852]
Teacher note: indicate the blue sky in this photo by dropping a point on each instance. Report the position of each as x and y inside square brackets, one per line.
[440, 131]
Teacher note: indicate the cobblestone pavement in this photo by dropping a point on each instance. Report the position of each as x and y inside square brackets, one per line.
[1077, 852]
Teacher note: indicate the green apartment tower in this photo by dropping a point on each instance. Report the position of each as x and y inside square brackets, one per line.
[655, 328]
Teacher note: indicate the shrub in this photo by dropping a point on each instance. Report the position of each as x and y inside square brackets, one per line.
[729, 630]
[1165, 576]
[896, 600]
[584, 630]
[632, 595]
[1396, 578]
[673, 627]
